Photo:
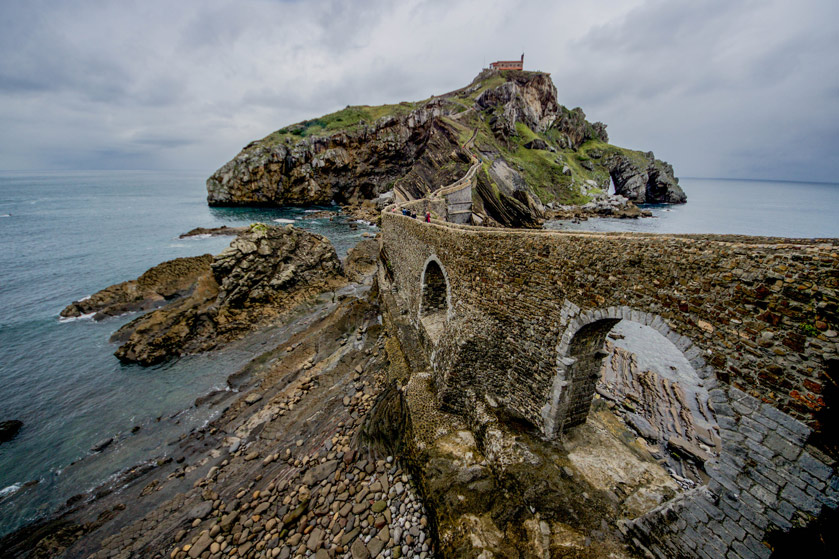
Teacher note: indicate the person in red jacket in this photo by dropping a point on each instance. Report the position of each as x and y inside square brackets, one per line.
[428, 217]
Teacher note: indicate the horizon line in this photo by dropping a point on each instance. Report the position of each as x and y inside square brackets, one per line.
[796, 181]
[195, 170]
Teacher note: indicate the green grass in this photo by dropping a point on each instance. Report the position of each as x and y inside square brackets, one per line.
[637, 157]
[525, 133]
[348, 118]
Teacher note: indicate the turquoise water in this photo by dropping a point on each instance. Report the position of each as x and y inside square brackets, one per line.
[64, 236]
[773, 208]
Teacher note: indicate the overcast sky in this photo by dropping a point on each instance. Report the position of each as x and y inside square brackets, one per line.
[723, 88]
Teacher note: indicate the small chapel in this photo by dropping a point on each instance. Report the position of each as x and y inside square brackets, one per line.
[508, 64]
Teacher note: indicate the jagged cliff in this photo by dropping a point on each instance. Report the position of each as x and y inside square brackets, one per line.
[534, 150]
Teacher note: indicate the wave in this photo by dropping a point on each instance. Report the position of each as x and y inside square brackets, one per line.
[283, 220]
[65, 319]
[10, 490]
[6, 215]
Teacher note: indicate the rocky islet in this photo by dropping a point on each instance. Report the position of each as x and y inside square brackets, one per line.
[536, 151]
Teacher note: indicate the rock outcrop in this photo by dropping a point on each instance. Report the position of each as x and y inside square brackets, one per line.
[362, 260]
[264, 272]
[157, 286]
[615, 206]
[529, 98]
[647, 182]
[8, 429]
[224, 230]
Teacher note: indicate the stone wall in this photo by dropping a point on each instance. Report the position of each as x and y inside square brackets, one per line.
[756, 318]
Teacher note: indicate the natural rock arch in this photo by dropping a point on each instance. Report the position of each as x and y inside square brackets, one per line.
[435, 298]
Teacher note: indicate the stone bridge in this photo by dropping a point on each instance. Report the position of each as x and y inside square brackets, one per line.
[515, 320]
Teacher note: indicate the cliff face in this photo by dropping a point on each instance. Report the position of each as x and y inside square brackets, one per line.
[534, 148]
[645, 182]
[345, 166]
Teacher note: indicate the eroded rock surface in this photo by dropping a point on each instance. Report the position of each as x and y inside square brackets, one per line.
[649, 183]
[264, 272]
[362, 260]
[213, 231]
[165, 282]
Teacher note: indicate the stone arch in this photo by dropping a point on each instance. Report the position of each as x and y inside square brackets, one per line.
[435, 298]
[579, 354]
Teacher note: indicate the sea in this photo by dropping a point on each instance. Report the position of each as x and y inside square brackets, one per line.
[65, 235]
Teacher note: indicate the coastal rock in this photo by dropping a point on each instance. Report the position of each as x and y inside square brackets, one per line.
[647, 181]
[8, 429]
[362, 259]
[213, 231]
[265, 271]
[605, 206]
[157, 286]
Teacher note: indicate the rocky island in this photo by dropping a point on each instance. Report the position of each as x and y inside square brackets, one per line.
[533, 152]
[456, 388]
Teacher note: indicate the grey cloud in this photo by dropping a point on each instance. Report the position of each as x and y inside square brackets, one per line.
[718, 88]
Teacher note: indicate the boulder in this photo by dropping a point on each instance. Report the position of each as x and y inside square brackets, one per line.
[536, 143]
[8, 429]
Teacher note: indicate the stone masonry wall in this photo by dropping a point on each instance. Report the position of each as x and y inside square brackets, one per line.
[756, 317]
[761, 313]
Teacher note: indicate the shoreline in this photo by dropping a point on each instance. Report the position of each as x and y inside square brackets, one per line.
[270, 389]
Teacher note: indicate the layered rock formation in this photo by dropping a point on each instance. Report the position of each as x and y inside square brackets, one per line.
[157, 286]
[263, 273]
[645, 182]
[511, 120]
[675, 419]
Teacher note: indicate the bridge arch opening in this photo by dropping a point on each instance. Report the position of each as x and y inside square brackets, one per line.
[436, 296]
[641, 370]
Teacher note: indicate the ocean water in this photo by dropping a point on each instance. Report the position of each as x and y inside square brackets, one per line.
[63, 236]
[772, 208]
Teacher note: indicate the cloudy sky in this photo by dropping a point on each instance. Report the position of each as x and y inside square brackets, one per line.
[720, 88]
